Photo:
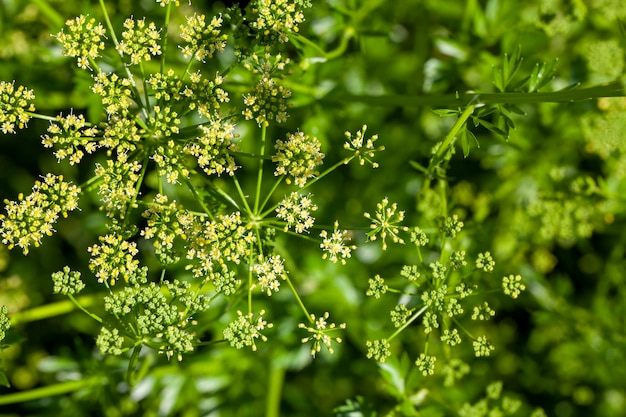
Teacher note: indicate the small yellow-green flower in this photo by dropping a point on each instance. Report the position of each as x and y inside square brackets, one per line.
[512, 285]
[14, 107]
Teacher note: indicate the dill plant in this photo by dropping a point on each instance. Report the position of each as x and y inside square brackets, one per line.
[180, 125]
[193, 165]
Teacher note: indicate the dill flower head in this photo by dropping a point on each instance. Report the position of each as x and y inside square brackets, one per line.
[212, 149]
[245, 329]
[363, 149]
[267, 101]
[426, 364]
[67, 282]
[320, 333]
[387, 221]
[14, 106]
[114, 258]
[298, 157]
[378, 349]
[513, 286]
[31, 218]
[296, 210]
[203, 39]
[70, 135]
[83, 39]
[268, 272]
[334, 245]
[274, 20]
[140, 41]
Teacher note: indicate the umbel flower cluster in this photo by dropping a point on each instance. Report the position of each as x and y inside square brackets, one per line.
[217, 207]
[170, 151]
[32, 217]
[439, 294]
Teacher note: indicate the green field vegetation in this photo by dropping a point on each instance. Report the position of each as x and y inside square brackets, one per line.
[312, 208]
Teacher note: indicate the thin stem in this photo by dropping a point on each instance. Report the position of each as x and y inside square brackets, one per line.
[614, 89]
[54, 309]
[411, 320]
[444, 197]
[292, 233]
[50, 390]
[95, 65]
[464, 329]
[328, 171]
[44, 117]
[187, 68]
[241, 194]
[343, 44]
[298, 299]
[348, 34]
[49, 11]
[126, 68]
[447, 141]
[227, 197]
[419, 254]
[79, 305]
[300, 38]
[250, 263]
[132, 363]
[267, 197]
[275, 381]
[257, 197]
[144, 83]
[137, 187]
[168, 12]
[198, 198]
[160, 181]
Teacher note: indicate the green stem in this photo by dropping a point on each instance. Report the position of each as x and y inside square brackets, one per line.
[250, 263]
[44, 117]
[168, 12]
[126, 67]
[80, 306]
[411, 320]
[267, 197]
[144, 84]
[241, 194]
[257, 197]
[49, 11]
[294, 234]
[419, 255]
[198, 198]
[50, 390]
[300, 38]
[447, 141]
[340, 49]
[343, 44]
[614, 89]
[187, 68]
[54, 309]
[133, 200]
[328, 171]
[95, 65]
[275, 378]
[132, 363]
[298, 299]
[463, 329]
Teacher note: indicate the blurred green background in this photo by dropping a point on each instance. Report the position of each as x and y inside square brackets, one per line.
[548, 203]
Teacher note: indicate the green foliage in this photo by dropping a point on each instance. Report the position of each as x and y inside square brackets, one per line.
[227, 242]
